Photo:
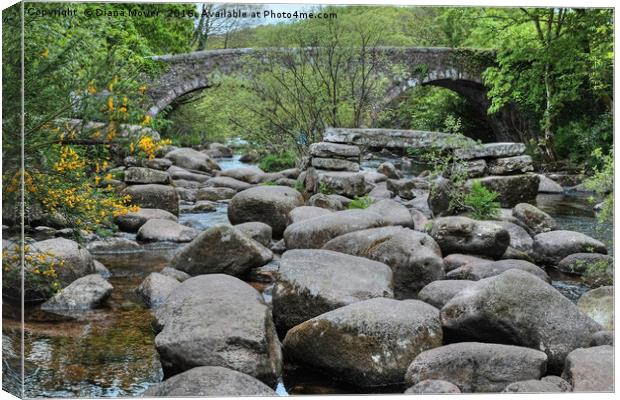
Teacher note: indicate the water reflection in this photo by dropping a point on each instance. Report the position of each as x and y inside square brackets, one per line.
[108, 352]
[574, 213]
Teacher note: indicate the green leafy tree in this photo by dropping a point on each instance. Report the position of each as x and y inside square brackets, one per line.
[547, 59]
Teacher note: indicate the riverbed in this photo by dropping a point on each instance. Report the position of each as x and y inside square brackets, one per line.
[110, 352]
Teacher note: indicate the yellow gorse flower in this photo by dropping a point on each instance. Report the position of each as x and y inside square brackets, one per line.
[111, 135]
[91, 88]
[40, 268]
[149, 147]
[69, 160]
[113, 82]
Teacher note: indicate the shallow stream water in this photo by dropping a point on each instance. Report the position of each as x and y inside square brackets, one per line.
[110, 352]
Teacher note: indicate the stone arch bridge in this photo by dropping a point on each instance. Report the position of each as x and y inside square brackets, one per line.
[457, 69]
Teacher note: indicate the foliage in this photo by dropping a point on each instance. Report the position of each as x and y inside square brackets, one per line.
[559, 77]
[328, 78]
[578, 139]
[275, 162]
[598, 274]
[215, 114]
[548, 61]
[602, 183]
[360, 202]
[212, 31]
[82, 90]
[401, 26]
[423, 108]
[299, 186]
[481, 202]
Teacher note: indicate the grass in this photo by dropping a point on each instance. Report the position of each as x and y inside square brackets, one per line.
[275, 163]
[360, 202]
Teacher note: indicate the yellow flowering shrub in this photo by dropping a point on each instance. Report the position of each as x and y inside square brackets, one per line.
[73, 177]
[77, 102]
[40, 272]
[75, 187]
[75, 191]
[147, 147]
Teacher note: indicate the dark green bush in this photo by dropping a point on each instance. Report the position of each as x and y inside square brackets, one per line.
[578, 139]
[481, 202]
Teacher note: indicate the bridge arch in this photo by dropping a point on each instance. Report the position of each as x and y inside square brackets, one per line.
[456, 69]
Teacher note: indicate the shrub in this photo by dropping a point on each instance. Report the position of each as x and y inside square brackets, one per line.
[602, 183]
[578, 139]
[360, 202]
[481, 202]
[275, 163]
[444, 163]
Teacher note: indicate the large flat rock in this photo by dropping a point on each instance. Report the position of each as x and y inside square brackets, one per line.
[519, 308]
[210, 381]
[154, 196]
[221, 249]
[312, 282]
[391, 138]
[266, 204]
[315, 232]
[511, 189]
[334, 150]
[344, 183]
[590, 369]
[491, 150]
[415, 258]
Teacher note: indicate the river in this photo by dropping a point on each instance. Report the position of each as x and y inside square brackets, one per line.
[110, 352]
